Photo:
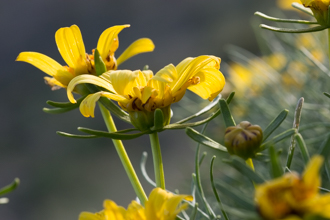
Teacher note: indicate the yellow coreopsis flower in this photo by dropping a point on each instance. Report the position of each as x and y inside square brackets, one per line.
[140, 91]
[71, 46]
[319, 9]
[293, 196]
[161, 205]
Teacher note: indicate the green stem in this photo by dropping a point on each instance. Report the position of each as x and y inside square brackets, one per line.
[123, 156]
[157, 158]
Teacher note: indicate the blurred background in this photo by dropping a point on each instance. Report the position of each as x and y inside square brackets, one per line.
[60, 177]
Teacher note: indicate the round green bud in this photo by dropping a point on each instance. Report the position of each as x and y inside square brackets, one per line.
[243, 140]
[144, 120]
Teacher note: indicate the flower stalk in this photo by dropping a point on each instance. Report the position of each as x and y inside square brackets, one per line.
[123, 156]
[157, 159]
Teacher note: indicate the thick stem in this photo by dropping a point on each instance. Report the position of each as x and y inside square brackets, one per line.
[157, 158]
[123, 156]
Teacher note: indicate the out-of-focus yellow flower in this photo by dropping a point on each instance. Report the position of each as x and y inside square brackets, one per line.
[250, 79]
[292, 196]
[71, 46]
[161, 205]
[286, 4]
[141, 91]
[319, 9]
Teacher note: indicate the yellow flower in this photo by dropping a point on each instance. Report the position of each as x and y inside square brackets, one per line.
[71, 46]
[137, 91]
[319, 9]
[295, 195]
[161, 205]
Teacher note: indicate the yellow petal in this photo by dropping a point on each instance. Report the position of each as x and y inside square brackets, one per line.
[211, 83]
[42, 62]
[142, 45]
[86, 78]
[124, 81]
[168, 74]
[87, 106]
[108, 41]
[135, 211]
[71, 46]
[311, 176]
[164, 205]
[189, 67]
[112, 211]
[90, 216]
[52, 82]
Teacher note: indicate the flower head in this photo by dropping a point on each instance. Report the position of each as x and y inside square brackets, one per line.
[292, 194]
[161, 205]
[71, 47]
[319, 9]
[141, 91]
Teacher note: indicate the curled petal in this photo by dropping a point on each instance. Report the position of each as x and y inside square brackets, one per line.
[108, 41]
[211, 83]
[42, 62]
[87, 79]
[142, 45]
[87, 106]
[190, 67]
[71, 46]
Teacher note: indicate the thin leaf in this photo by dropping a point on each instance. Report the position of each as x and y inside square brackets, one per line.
[273, 125]
[143, 163]
[65, 104]
[10, 187]
[235, 195]
[276, 168]
[76, 135]
[240, 165]
[194, 212]
[59, 110]
[198, 180]
[202, 158]
[215, 190]
[201, 138]
[325, 148]
[288, 30]
[193, 124]
[296, 122]
[326, 94]
[302, 147]
[284, 20]
[112, 135]
[227, 117]
[278, 138]
[203, 111]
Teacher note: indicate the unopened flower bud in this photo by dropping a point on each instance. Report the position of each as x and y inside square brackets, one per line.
[243, 139]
